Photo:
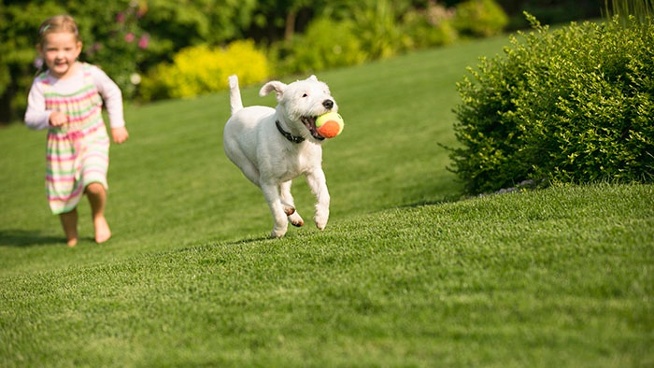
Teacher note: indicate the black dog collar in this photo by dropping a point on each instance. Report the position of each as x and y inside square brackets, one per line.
[287, 135]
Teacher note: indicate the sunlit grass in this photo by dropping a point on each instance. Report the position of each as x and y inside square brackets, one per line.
[404, 275]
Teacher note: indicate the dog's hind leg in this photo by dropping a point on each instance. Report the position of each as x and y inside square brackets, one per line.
[280, 218]
[289, 204]
[234, 153]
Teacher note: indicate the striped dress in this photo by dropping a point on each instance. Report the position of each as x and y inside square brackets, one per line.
[77, 153]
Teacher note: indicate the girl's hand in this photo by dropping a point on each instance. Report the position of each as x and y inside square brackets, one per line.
[58, 119]
[120, 135]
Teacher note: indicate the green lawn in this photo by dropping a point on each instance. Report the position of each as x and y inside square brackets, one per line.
[405, 274]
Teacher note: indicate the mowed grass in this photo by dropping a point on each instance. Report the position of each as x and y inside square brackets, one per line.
[404, 275]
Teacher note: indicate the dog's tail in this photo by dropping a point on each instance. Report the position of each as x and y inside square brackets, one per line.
[234, 94]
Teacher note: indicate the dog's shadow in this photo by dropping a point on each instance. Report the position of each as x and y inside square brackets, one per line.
[26, 238]
[247, 241]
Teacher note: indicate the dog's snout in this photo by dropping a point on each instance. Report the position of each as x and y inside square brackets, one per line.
[328, 104]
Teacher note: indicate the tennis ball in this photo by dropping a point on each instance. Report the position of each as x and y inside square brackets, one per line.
[330, 124]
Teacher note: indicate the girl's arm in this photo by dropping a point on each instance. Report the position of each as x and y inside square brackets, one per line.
[113, 100]
[112, 96]
[36, 116]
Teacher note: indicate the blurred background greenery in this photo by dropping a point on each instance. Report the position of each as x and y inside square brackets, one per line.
[160, 49]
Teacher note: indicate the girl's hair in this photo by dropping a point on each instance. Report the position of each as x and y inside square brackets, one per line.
[58, 23]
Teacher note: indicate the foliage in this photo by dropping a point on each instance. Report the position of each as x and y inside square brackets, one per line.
[377, 28]
[129, 38]
[125, 37]
[110, 32]
[176, 26]
[200, 69]
[118, 45]
[480, 18]
[642, 10]
[430, 27]
[205, 21]
[352, 32]
[574, 104]
[19, 26]
[326, 44]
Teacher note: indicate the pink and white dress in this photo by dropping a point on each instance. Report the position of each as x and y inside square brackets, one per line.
[77, 153]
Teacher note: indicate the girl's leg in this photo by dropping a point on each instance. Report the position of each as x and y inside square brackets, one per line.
[69, 223]
[98, 198]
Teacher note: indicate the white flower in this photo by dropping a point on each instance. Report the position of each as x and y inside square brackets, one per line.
[135, 78]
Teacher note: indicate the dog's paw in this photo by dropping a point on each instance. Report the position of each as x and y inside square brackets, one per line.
[321, 222]
[296, 220]
[276, 234]
[321, 217]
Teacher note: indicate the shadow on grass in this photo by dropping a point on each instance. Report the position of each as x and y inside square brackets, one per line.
[26, 238]
[228, 243]
[448, 199]
[249, 240]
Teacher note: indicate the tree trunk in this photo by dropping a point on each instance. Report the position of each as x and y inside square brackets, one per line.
[289, 29]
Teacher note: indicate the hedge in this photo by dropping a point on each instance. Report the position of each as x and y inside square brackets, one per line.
[574, 105]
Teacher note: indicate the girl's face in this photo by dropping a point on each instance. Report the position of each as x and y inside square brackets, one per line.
[60, 51]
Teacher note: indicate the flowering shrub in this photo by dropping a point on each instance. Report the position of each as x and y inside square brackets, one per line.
[120, 45]
[200, 69]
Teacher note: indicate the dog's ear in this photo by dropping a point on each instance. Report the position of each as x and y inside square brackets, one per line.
[313, 78]
[276, 86]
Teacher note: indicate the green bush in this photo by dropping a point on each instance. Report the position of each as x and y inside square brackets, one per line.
[366, 31]
[325, 44]
[430, 27]
[480, 18]
[378, 28]
[573, 105]
[200, 69]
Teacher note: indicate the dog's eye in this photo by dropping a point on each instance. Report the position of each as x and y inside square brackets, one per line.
[305, 95]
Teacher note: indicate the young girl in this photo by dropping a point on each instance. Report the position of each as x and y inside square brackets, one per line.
[67, 100]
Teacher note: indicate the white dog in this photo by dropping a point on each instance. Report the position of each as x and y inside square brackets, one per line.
[272, 146]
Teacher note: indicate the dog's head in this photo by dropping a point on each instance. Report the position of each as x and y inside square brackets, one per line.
[301, 102]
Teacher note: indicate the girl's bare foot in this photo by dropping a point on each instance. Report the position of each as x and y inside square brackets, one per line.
[102, 231]
[71, 242]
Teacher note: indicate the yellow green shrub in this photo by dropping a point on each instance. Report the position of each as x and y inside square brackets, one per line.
[200, 69]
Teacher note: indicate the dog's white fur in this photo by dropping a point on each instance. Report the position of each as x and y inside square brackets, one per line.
[269, 159]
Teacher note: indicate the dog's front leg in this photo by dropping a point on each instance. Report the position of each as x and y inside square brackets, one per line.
[318, 184]
[272, 195]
